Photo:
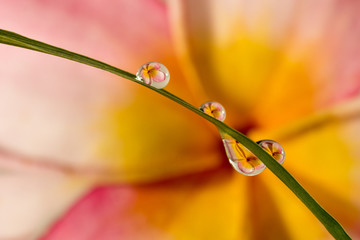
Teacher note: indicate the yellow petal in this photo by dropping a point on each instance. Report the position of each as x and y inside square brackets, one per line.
[213, 208]
[155, 139]
[322, 152]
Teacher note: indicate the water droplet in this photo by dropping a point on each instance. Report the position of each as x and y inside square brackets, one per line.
[153, 73]
[244, 161]
[214, 109]
[274, 149]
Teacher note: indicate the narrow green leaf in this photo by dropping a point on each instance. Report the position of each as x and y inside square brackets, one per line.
[334, 228]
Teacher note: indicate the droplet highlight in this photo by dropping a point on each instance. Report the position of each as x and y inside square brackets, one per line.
[214, 109]
[274, 149]
[154, 74]
[243, 160]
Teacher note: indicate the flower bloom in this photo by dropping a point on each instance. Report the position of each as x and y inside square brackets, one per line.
[86, 155]
[242, 159]
[151, 72]
[274, 149]
[214, 109]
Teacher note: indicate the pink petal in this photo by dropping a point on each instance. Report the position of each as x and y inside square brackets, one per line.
[50, 107]
[155, 65]
[146, 79]
[159, 77]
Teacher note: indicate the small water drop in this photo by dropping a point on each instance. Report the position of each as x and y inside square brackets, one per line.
[214, 109]
[243, 160]
[154, 74]
[274, 149]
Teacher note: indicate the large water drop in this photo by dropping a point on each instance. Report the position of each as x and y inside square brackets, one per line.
[154, 74]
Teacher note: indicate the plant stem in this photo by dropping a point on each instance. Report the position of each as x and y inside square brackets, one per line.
[334, 228]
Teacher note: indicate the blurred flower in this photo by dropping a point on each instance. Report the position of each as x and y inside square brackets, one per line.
[86, 155]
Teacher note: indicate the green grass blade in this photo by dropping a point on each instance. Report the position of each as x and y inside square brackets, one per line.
[334, 228]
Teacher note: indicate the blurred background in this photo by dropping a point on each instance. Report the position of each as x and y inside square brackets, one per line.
[86, 155]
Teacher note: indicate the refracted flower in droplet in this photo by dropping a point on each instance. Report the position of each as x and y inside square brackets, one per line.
[274, 149]
[214, 109]
[239, 156]
[243, 160]
[154, 74]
